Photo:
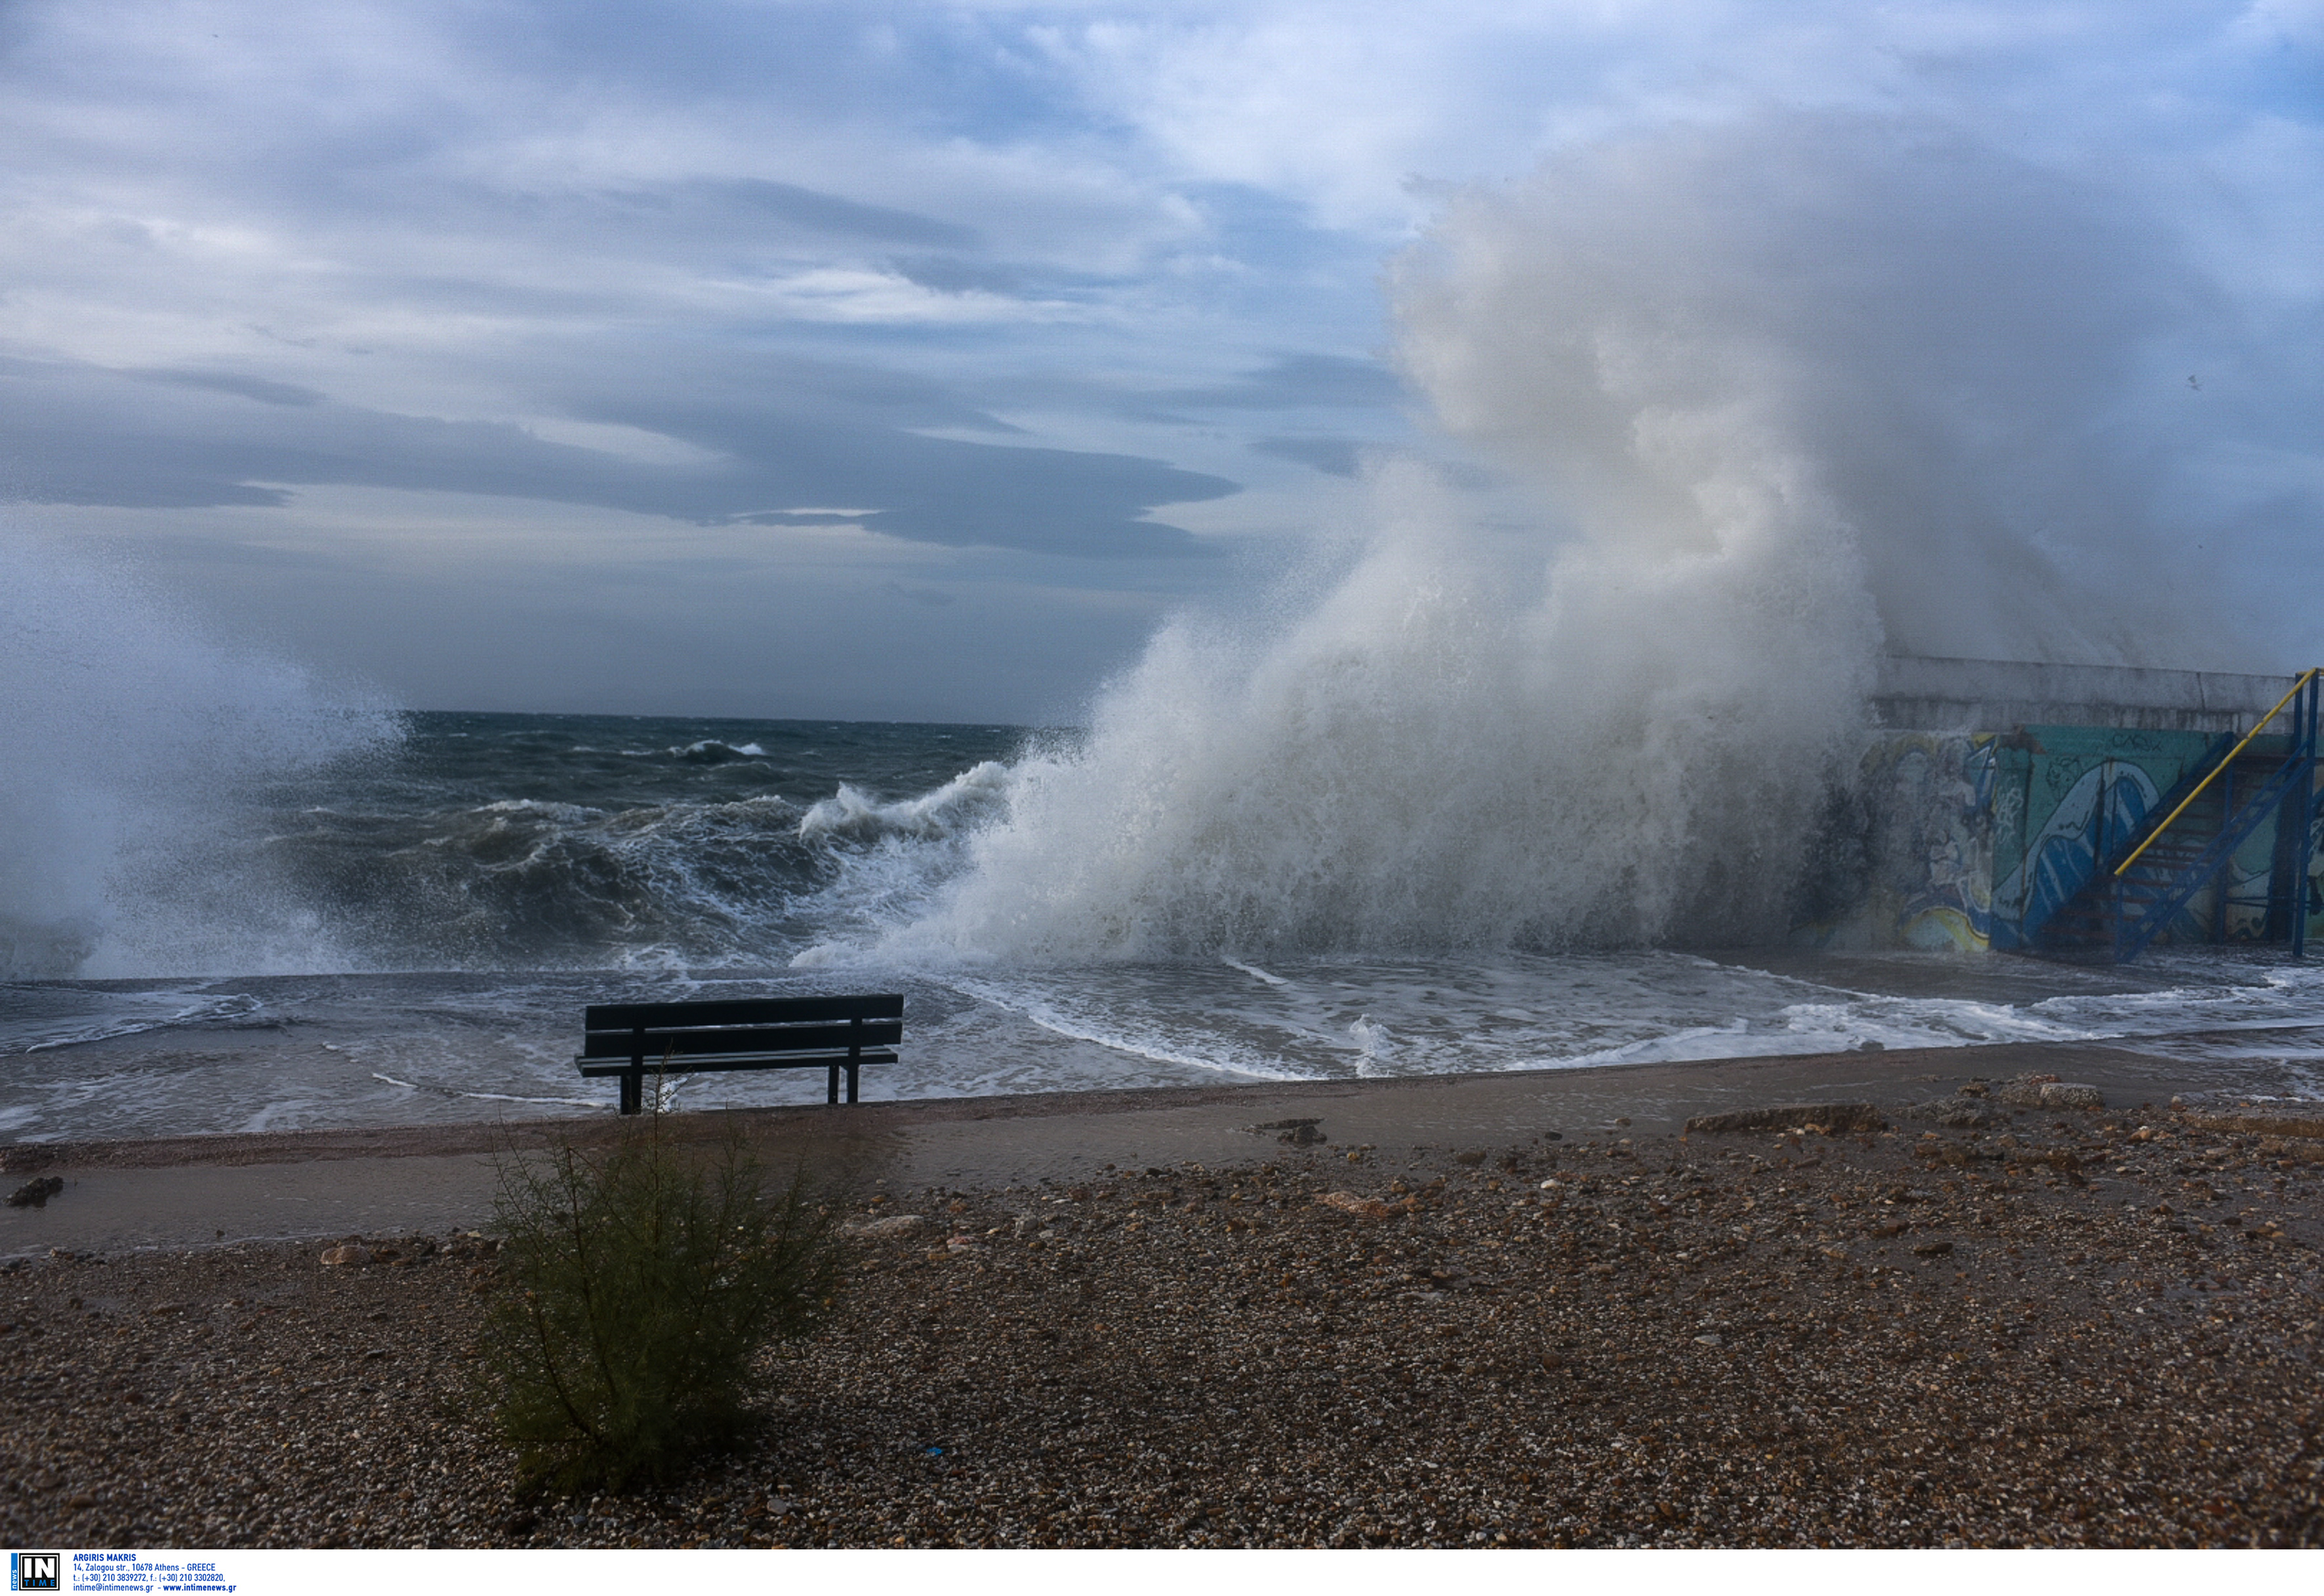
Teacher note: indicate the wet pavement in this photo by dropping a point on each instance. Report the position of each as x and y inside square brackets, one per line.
[192, 1192]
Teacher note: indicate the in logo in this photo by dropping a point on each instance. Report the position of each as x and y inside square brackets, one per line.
[35, 1570]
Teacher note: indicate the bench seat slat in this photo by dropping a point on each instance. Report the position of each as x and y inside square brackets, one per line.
[742, 1012]
[707, 1063]
[795, 1038]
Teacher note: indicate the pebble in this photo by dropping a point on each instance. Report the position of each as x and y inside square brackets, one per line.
[894, 1225]
[2047, 1091]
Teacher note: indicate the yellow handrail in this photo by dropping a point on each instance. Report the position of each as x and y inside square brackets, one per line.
[2298, 682]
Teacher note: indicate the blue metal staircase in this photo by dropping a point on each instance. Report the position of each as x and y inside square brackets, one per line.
[2081, 920]
[2144, 882]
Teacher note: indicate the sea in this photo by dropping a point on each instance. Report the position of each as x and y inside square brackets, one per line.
[404, 927]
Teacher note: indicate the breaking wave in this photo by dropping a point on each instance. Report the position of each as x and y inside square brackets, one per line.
[1769, 397]
[135, 746]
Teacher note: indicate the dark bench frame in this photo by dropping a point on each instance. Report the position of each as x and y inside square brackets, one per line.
[835, 1034]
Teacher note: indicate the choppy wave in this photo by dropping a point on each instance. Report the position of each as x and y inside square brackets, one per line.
[966, 801]
[710, 751]
[521, 883]
[732, 851]
[170, 807]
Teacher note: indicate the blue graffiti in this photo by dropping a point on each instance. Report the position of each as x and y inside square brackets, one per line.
[2102, 810]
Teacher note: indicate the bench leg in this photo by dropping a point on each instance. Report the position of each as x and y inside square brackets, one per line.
[851, 1083]
[633, 1082]
[831, 1095]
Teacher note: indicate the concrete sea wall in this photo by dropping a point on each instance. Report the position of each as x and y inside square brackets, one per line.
[1965, 835]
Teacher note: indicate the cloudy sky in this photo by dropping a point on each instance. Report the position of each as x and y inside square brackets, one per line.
[899, 362]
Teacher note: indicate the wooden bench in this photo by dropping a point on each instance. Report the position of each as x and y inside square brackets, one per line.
[834, 1034]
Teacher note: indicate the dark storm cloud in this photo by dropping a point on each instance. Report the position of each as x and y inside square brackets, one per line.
[77, 434]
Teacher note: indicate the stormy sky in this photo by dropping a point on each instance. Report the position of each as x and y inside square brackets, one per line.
[913, 361]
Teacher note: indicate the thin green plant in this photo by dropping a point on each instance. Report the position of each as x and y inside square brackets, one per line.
[641, 1281]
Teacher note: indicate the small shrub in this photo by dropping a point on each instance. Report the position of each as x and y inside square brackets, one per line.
[642, 1282]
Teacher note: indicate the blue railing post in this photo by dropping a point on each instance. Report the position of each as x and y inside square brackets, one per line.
[2303, 755]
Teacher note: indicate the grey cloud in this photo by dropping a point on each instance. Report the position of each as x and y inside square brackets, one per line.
[1297, 382]
[746, 225]
[1334, 457]
[949, 275]
[662, 388]
[829, 213]
[81, 435]
[808, 210]
[252, 388]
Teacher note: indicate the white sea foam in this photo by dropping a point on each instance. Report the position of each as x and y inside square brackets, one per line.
[66, 1018]
[450, 1047]
[712, 751]
[132, 736]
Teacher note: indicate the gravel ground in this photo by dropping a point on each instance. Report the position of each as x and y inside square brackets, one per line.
[2062, 1328]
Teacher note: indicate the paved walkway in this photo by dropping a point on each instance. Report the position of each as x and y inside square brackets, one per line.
[202, 1191]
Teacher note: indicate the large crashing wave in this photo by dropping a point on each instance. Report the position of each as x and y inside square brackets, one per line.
[1787, 389]
[133, 742]
[1429, 759]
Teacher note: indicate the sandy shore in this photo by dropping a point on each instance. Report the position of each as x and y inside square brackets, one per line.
[2060, 1326]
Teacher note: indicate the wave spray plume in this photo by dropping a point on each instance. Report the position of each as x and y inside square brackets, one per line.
[1787, 391]
[134, 744]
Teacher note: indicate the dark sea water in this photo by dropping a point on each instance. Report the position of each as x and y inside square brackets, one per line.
[405, 926]
[504, 842]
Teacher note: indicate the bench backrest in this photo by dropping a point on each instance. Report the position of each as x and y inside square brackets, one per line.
[743, 1025]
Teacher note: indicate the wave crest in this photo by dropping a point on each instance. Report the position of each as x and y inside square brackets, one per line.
[967, 800]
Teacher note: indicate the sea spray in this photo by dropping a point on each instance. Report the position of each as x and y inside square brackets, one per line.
[1790, 390]
[134, 741]
[1619, 730]
[1961, 349]
[1631, 752]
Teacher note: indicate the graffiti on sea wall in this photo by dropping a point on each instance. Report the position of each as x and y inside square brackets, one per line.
[1973, 840]
[2088, 789]
[1925, 814]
